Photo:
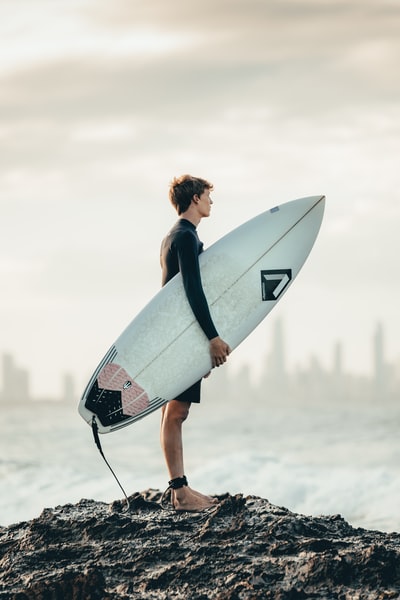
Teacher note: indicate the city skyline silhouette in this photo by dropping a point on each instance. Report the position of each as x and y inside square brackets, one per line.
[382, 380]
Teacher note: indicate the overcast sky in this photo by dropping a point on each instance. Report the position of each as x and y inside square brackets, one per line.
[102, 103]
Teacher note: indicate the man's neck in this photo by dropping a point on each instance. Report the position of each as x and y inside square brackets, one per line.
[191, 215]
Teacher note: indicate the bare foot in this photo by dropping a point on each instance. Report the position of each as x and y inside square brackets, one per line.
[185, 499]
[208, 498]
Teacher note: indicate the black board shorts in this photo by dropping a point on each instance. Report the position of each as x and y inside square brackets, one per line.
[192, 394]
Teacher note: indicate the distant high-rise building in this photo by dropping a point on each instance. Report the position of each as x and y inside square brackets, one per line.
[275, 375]
[277, 358]
[8, 376]
[22, 387]
[338, 360]
[337, 387]
[379, 362]
[69, 392]
[15, 381]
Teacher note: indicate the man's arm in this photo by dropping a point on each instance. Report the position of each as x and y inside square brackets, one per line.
[190, 270]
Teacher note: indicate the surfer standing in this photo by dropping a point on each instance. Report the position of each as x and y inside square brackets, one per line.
[180, 251]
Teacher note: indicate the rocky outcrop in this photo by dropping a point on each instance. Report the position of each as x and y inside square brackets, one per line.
[246, 548]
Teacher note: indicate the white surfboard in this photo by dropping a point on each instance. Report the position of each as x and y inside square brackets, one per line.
[163, 351]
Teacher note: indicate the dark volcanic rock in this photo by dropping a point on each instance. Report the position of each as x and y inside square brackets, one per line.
[245, 549]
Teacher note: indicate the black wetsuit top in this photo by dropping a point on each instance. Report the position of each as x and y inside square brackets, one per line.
[180, 251]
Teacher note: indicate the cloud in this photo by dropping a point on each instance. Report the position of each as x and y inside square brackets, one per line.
[174, 60]
[102, 103]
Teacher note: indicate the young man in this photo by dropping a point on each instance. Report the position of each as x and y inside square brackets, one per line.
[180, 250]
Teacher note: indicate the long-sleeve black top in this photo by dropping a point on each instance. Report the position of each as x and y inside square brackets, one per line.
[180, 251]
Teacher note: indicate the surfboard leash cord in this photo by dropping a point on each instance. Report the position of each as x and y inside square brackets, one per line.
[95, 431]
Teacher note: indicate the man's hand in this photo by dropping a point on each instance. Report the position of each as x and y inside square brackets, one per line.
[219, 351]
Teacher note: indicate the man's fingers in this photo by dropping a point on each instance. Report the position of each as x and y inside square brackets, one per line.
[219, 360]
[220, 351]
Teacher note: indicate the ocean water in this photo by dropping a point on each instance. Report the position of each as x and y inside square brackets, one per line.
[311, 458]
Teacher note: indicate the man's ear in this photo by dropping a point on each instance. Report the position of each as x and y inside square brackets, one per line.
[196, 198]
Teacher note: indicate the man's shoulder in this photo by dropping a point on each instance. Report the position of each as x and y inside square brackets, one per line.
[183, 231]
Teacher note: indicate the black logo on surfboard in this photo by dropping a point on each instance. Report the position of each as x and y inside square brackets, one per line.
[274, 282]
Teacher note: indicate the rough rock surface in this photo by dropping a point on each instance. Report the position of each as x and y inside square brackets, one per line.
[246, 548]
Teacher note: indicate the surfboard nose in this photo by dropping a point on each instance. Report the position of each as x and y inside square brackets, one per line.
[312, 203]
[314, 209]
[312, 200]
[301, 207]
[320, 200]
[320, 204]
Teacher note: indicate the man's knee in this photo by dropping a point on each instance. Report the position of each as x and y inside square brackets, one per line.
[177, 411]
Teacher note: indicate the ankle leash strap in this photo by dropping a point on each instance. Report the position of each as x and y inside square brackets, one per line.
[177, 483]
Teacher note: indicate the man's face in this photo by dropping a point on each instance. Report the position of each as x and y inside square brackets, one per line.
[204, 203]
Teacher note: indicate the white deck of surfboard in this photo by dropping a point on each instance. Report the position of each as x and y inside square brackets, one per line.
[164, 349]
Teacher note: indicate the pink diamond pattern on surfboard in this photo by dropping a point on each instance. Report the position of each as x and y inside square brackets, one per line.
[133, 397]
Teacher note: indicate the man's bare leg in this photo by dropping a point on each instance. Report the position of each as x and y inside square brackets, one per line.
[173, 416]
